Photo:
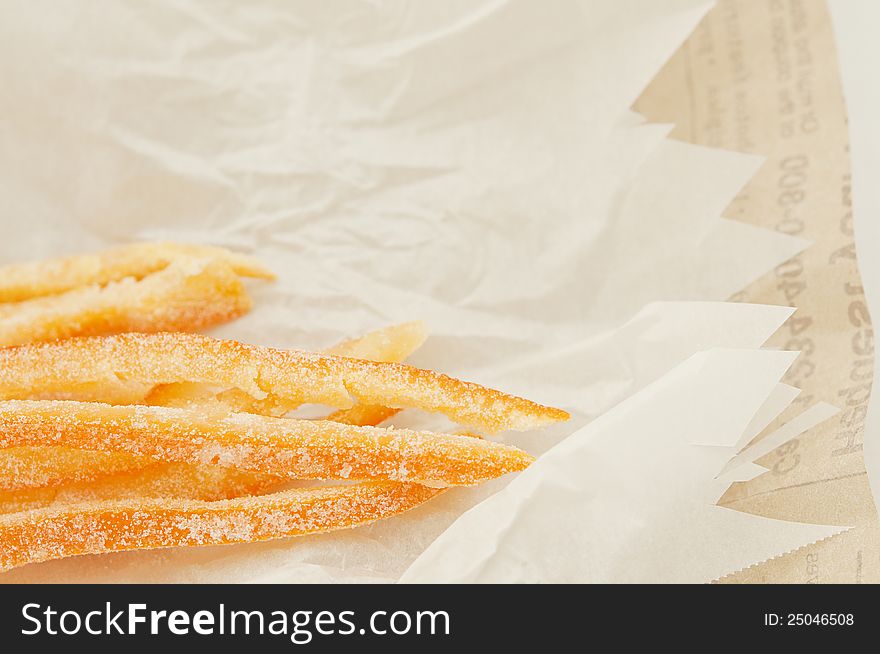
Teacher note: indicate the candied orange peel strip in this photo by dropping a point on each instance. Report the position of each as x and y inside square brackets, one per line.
[390, 345]
[62, 475]
[179, 480]
[293, 376]
[288, 448]
[37, 467]
[187, 295]
[95, 528]
[33, 279]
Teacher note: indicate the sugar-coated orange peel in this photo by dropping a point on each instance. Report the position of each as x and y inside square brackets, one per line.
[45, 468]
[120, 525]
[389, 345]
[156, 479]
[289, 448]
[145, 287]
[33, 279]
[293, 377]
[188, 295]
[36, 467]
[120, 430]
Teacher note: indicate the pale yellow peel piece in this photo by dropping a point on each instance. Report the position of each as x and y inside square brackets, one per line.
[288, 448]
[94, 528]
[25, 281]
[389, 344]
[392, 345]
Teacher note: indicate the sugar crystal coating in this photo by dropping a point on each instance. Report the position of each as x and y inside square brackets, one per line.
[44, 468]
[113, 526]
[289, 448]
[140, 441]
[155, 479]
[35, 467]
[33, 279]
[188, 295]
[291, 377]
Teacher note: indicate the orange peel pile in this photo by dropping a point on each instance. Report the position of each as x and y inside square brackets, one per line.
[121, 429]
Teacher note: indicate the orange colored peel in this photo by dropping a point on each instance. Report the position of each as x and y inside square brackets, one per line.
[178, 480]
[44, 468]
[293, 449]
[391, 345]
[188, 295]
[25, 281]
[35, 467]
[294, 376]
[94, 528]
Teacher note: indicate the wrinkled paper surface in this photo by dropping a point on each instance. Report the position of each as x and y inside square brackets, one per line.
[470, 164]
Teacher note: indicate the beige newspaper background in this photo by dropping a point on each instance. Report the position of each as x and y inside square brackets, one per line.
[762, 77]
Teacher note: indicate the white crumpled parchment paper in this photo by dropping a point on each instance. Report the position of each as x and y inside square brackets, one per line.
[472, 164]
